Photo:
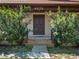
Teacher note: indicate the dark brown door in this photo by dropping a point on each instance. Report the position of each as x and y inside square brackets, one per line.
[39, 24]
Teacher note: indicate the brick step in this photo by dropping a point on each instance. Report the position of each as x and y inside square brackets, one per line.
[52, 45]
[37, 40]
[33, 44]
[45, 42]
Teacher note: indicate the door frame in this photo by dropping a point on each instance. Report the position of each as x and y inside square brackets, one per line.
[44, 23]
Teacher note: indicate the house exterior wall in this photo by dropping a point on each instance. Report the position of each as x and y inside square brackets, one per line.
[30, 26]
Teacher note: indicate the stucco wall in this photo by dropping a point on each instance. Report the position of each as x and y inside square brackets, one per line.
[30, 26]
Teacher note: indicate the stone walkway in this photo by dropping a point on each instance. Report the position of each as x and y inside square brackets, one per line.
[39, 52]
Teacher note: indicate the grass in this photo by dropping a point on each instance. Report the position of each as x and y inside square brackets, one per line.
[61, 50]
[5, 58]
[62, 53]
[13, 58]
[7, 49]
[15, 48]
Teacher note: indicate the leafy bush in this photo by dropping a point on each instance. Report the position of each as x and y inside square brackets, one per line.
[11, 27]
[65, 25]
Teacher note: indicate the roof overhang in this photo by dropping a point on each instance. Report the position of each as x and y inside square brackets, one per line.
[41, 2]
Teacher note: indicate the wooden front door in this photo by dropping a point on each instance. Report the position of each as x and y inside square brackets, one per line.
[39, 24]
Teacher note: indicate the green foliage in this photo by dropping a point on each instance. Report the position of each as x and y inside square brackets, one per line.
[11, 27]
[65, 25]
[61, 50]
[16, 48]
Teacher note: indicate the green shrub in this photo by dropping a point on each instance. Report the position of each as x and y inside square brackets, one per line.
[11, 27]
[65, 25]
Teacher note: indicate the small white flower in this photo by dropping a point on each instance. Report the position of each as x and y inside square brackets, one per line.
[55, 33]
[3, 32]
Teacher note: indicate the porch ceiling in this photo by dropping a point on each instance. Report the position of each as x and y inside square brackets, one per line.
[71, 2]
